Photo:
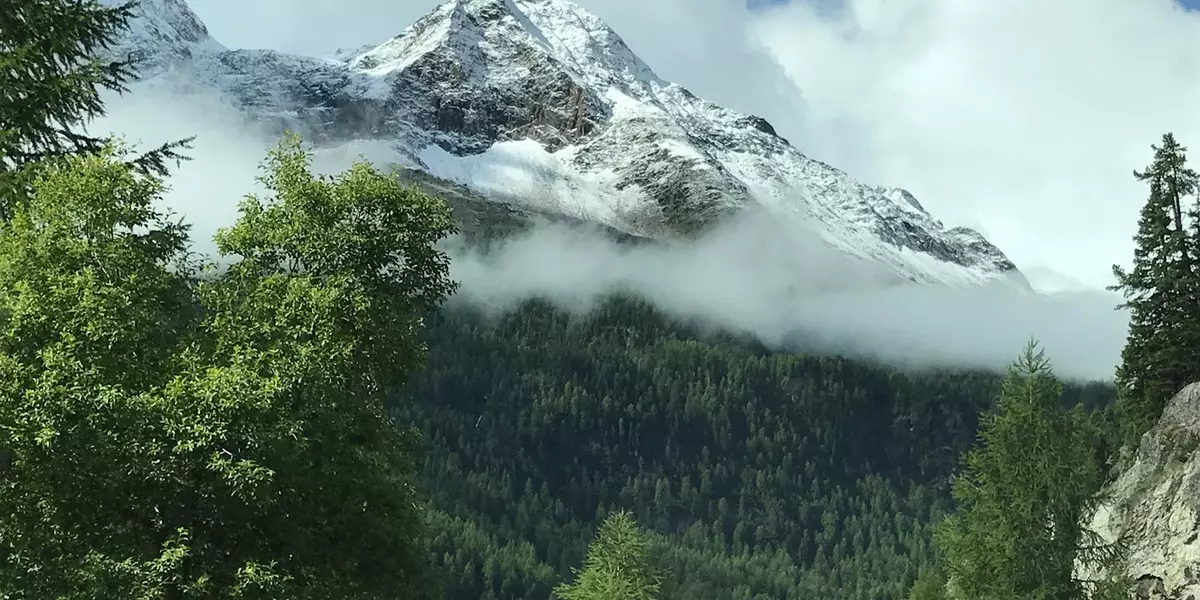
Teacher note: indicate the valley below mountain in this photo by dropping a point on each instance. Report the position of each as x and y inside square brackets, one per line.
[489, 310]
[667, 308]
[760, 474]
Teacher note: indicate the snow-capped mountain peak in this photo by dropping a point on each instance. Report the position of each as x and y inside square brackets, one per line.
[577, 38]
[539, 103]
[165, 30]
[595, 50]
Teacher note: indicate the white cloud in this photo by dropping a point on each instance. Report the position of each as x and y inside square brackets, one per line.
[804, 296]
[1023, 116]
[206, 190]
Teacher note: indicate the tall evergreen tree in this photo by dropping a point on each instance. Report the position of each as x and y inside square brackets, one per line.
[1017, 533]
[54, 66]
[617, 566]
[1161, 291]
[930, 585]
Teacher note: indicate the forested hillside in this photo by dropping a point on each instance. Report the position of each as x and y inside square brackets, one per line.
[313, 420]
[761, 472]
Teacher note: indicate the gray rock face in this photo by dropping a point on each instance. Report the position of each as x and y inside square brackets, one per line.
[1153, 507]
[616, 144]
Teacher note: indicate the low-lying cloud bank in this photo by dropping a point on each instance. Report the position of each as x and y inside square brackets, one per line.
[736, 278]
[742, 276]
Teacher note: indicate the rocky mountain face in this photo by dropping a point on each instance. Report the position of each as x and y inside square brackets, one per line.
[538, 104]
[1153, 506]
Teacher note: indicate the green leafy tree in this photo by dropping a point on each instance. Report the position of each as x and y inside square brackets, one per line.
[91, 317]
[1025, 487]
[55, 62]
[617, 566]
[1161, 291]
[173, 434]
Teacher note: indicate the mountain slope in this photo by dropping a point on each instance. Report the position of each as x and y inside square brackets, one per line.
[539, 103]
[749, 465]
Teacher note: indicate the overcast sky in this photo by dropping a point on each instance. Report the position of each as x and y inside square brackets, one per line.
[1021, 118]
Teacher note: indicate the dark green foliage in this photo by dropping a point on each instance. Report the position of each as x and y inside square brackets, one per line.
[172, 438]
[52, 74]
[1016, 533]
[930, 585]
[757, 472]
[1162, 292]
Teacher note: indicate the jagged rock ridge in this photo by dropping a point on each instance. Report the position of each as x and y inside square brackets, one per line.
[1153, 507]
[539, 103]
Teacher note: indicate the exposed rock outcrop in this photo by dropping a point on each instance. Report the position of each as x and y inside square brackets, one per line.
[1153, 507]
[538, 103]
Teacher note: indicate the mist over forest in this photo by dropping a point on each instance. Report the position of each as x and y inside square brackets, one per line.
[749, 274]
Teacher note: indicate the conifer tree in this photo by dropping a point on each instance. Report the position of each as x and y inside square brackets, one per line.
[930, 585]
[54, 66]
[1017, 533]
[1161, 291]
[617, 565]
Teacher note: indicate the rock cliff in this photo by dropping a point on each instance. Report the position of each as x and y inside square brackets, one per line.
[1153, 507]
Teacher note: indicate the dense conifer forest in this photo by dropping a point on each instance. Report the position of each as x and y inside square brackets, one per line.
[762, 474]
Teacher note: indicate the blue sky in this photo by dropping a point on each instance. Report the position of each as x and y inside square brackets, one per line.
[752, 4]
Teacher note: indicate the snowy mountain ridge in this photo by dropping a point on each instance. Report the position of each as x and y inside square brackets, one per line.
[538, 103]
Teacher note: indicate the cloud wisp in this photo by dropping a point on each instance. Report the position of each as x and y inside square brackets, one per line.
[793, 294]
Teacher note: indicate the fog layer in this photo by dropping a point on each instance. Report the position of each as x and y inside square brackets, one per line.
[747, 275]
